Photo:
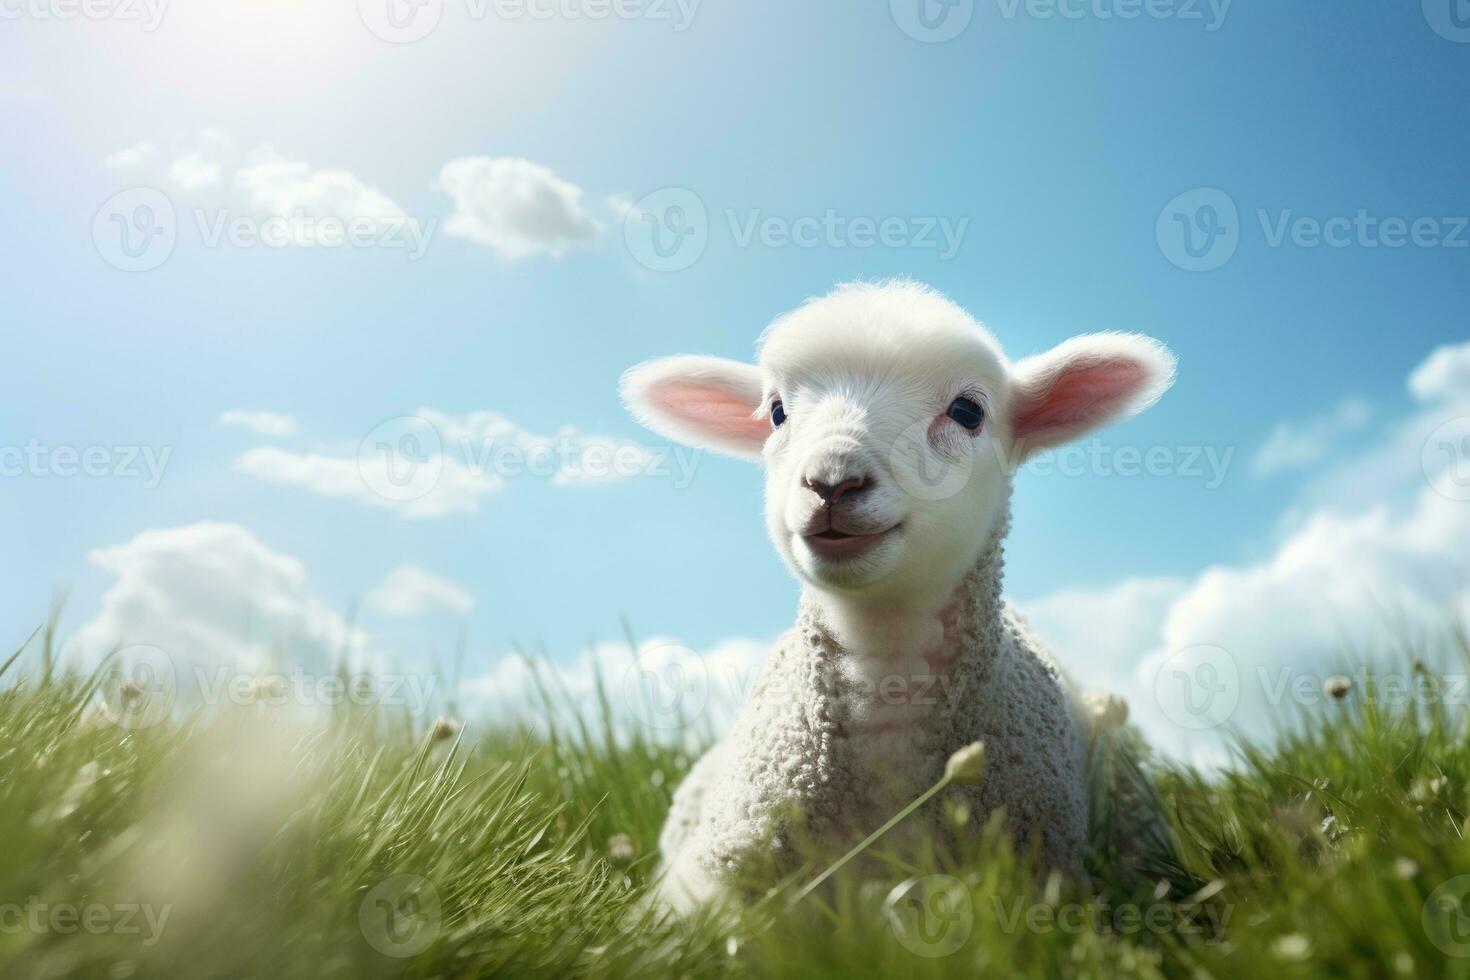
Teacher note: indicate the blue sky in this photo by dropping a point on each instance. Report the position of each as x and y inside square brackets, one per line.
[1056, 142]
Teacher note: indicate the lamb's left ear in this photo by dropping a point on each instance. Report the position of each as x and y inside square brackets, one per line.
[706, 402]
[1084, 383]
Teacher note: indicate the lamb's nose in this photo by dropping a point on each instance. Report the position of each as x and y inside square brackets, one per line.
[831, 493]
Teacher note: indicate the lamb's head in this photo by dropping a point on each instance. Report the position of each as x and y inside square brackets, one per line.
[890, 424]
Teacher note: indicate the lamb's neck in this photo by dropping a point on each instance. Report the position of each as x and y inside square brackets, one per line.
[933, 631]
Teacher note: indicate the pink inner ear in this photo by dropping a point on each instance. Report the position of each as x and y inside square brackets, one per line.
[1078, 397]
[711, 408]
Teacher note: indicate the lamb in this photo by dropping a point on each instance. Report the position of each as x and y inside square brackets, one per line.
[890, 424]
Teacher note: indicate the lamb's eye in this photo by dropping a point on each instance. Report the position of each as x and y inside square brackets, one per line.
[967, 413]
[778, 413]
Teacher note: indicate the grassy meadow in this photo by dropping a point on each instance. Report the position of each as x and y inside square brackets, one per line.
[244, 842]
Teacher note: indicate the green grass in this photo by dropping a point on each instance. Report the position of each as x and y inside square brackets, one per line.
[250, 844]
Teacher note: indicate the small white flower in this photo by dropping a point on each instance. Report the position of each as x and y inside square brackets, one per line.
[444, 729]
[967, 766]
[1293, 946]
[620, 848]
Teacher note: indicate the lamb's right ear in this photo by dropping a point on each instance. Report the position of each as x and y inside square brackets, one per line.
[705, 402]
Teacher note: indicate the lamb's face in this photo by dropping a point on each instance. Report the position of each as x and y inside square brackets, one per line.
[890, 423]
[887, 460]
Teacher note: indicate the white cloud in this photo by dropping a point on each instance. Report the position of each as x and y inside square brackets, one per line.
[272, 424]
[620, 205]
[211, 594]
[1294, 445]
[293, 191]
[132, 156]
[1101, 632]
[667, 691]
[486, 439]
[411, 591]
[1444, 376]
[434, 464]
[422, 487]
[1356, 576]
[194, 170]
[516, 207]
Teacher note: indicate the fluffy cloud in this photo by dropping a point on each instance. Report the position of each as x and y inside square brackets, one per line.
[1295, 445]
[211, 594]
[272, 424]
[664, 689]
[434, 464]
[516, 207]
[132, 156]
[414, 486]
[281, 186]
[1357, 576]
[411, 591]
[194, 170]
[1444, 376]
[296, 203]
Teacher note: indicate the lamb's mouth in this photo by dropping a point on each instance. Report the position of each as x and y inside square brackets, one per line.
[833, 543]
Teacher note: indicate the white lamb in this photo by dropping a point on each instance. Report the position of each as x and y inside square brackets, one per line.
[890, 424]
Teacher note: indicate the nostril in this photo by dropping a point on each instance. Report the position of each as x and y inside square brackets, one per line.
[831, 493]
